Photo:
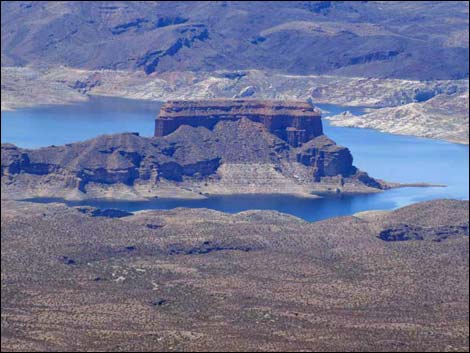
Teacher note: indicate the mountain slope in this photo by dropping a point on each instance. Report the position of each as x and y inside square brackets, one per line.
[420, 40]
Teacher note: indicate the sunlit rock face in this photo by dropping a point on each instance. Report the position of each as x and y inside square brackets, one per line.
[292, 121]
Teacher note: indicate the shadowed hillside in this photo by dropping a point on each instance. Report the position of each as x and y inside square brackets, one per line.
[416, 40]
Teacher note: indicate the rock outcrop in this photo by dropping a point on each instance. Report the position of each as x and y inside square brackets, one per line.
[404, 232]
[293, 122]
[239, 147]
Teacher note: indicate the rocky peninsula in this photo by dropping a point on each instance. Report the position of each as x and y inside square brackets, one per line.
[200, 147]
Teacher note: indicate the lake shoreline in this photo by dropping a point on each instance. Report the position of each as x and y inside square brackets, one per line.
[407, 159]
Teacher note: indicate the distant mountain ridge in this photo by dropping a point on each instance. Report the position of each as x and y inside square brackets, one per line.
[413, 40]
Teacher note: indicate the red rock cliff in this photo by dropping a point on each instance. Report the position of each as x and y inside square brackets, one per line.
[293, 121]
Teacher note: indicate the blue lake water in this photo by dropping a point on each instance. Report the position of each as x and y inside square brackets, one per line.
[390, 157]
[61, 124]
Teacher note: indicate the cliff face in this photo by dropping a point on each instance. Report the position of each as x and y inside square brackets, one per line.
[293, 122]
[244, 148]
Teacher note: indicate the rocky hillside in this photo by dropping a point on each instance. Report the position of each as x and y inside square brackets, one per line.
[182, 279]
[26, 86]
[231, 156]
[443, 116]
[413, 40]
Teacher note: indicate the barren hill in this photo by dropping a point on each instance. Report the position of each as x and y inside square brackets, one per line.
[199, 280]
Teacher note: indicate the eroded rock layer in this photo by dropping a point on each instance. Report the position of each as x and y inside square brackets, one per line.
[293, 122]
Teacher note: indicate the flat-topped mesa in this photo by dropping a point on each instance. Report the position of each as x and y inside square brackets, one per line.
[295, 122]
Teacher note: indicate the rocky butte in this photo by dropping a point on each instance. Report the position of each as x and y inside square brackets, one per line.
[200, 147]
[293, 122]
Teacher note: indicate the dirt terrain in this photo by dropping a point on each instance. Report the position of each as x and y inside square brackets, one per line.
[195, 279]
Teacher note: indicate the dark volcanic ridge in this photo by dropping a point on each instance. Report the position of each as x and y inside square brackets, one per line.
[240, 146]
